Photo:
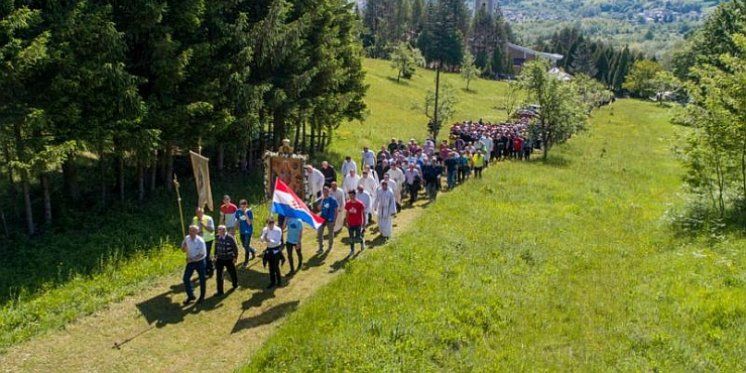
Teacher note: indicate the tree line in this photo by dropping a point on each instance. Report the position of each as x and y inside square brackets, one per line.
[98, 98]
[389, 24]
[594, 58]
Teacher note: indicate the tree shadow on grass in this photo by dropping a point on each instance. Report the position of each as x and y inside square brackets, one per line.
[698, 218]
[557, 161]
[267, 317]
[401, 81]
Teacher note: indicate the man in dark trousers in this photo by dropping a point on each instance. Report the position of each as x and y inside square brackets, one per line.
[272, 235]
[330, 174]
[226, 253]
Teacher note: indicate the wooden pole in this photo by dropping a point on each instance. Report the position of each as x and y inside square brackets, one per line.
[181, 210]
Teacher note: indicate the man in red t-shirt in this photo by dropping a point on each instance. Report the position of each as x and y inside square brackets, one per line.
[355, 219]
[228, 215]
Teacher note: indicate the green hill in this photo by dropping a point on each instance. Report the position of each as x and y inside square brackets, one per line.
[79, 272]
[568, 265]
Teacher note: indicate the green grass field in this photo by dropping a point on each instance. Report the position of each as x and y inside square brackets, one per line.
[564, 266]
[62, 277]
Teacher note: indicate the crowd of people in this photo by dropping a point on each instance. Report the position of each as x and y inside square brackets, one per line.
[359, 195]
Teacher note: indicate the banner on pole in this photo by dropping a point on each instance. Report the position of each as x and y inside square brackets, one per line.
[201, 168]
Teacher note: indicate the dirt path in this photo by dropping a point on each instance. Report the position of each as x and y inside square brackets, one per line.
[156, 333]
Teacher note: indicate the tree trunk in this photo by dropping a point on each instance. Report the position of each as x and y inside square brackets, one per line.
[5, 224]
[244, 161]
[44, 178]
[154, 171]
[297, 136]
[140, 181]
[743, 171]
[221, 158]
[544, 143]
[12, 192]
[437, 93]
[102, 176]
[70, 177]
[30, 227]
[169, 168]
[120, 177]
[278, 129]
[312, 142]
[304, 149]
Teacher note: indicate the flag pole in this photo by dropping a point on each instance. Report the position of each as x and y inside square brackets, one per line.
[178, 200]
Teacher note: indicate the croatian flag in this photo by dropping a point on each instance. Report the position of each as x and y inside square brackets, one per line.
[286, 203]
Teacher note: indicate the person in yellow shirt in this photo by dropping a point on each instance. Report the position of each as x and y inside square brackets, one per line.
[478, 163]
[206, 227]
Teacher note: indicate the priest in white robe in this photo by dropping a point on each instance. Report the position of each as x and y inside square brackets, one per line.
[385, 207]
[397, 175]
[315, 180]
[351, 181]
[369, 184]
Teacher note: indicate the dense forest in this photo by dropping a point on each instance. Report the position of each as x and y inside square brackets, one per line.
[99, 100]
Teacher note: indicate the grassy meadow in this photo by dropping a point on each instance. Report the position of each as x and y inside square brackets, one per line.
[559, 266]
[53, 280]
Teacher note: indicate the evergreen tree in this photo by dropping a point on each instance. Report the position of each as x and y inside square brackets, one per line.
[583, 61]
[621, 67]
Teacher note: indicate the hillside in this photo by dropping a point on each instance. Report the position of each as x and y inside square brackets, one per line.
[649, 26]
[565, 266]
[131, 289]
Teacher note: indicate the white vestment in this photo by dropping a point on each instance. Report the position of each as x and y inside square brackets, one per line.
[397, 176]
[370, 185]
[385, 207]
[350, 183]
[364, 198]
[340, 197]
[315, 183]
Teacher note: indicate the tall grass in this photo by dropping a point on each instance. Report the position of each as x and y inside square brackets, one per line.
[568, 265]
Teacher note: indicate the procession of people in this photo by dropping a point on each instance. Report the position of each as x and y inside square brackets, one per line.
[388, 180]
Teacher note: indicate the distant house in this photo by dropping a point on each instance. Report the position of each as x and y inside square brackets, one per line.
[520, 55]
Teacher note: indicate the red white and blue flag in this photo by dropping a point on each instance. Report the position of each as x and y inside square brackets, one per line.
[286, 203]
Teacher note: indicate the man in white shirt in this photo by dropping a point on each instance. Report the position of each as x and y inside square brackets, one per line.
[369, 158]
[315, 182]
[196, 253]
[272, 235]
[351, 181]
[347, 166]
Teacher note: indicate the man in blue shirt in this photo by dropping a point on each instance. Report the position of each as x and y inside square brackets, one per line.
[328, 207]
[245, 218]
[293, 241]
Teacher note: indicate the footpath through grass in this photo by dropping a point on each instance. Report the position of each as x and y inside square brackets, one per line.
[568, 265]
[51, 281]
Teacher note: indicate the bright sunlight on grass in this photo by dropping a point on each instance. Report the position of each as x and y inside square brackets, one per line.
[568, 265]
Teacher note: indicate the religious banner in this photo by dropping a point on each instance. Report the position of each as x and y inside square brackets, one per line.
[201, 168]
[287, 167]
